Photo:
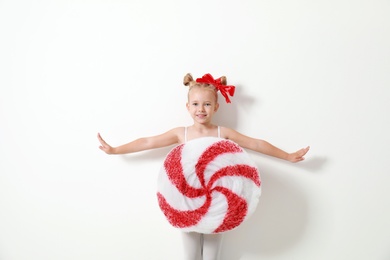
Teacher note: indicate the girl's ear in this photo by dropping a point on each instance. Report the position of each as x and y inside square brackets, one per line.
[216, 107]
[188, 106]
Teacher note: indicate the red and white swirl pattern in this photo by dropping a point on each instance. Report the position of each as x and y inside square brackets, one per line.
[208, 185]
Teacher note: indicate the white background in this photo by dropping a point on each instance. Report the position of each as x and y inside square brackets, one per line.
[307, 73]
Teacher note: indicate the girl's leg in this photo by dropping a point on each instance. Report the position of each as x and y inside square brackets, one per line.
[192, 245]
[211, 246]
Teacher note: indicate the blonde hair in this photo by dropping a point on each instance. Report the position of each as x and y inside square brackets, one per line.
[191, 83]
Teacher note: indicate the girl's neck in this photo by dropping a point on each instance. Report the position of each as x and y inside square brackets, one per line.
[203, 127]
[200, 130]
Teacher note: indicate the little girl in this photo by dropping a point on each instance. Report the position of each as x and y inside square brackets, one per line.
[202, 104]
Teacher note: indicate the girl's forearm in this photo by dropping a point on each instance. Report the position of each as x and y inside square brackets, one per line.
[266, 148]
[132, 147]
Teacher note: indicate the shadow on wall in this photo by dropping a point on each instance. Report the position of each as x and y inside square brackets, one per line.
[227, 115]
[277, 224]
[149, 155]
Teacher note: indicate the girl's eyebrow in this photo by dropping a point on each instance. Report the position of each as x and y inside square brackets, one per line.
[207, 101]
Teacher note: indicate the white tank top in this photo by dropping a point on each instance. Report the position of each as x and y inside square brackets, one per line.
[185, 133]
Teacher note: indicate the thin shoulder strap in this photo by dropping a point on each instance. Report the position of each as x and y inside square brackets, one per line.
[219, 131]
[185, 134]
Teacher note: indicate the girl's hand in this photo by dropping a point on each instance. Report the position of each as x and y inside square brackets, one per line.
[298, 155]
[104, 146]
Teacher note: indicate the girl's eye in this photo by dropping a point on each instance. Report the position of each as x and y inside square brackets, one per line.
[194, 104]
[208, 105]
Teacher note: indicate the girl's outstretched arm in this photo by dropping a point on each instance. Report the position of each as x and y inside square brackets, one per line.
[145, 143]
[263, 147]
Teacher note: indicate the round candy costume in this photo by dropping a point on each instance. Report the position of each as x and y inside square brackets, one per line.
[208, 185]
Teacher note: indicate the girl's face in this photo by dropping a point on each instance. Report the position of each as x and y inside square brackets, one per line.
[202, 104]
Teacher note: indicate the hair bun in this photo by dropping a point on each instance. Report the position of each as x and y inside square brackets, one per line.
[223, 80]
[187, 79]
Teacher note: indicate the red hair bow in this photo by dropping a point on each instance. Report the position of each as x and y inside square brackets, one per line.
[225, 90]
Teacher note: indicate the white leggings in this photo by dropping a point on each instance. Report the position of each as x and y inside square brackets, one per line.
[201, 246]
